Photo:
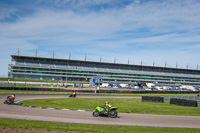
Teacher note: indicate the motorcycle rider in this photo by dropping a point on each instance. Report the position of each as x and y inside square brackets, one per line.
[10, 98]
[108, 106]
[105, 110]
[13, 97]
[74, 94]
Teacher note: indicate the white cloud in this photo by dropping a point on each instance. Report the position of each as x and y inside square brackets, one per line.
[6, 12]
[138, 30]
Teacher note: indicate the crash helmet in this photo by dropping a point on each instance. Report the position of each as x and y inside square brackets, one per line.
[106, 102]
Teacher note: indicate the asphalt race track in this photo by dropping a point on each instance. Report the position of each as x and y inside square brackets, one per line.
[27, 113]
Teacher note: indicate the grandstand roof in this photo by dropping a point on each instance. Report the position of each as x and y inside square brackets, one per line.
[94, 63]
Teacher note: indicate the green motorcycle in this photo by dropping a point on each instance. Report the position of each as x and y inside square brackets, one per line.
[103, 111]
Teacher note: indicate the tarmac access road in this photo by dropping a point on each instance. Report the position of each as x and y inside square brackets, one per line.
[27, 113]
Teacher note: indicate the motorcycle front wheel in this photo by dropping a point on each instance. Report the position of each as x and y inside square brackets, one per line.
[113, 114]
[96, 113]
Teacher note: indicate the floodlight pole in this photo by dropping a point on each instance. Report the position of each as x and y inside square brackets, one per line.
[18, 52]
[53, 54]
[70, 56]
[36, 53]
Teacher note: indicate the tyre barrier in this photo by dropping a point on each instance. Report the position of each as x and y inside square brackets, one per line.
[152, 99]
[183, 102]
[194, 98]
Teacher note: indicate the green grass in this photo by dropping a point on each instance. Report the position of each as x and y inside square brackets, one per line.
[60, 126]
[126, 105]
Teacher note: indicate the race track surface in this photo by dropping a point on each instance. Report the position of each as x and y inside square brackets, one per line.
[27, 113]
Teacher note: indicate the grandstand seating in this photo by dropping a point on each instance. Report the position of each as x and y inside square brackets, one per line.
[108, 70]
[102, 69]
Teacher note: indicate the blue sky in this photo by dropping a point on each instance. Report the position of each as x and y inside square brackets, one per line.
[149, 30]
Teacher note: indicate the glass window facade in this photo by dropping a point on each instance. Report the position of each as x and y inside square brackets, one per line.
[50, 68]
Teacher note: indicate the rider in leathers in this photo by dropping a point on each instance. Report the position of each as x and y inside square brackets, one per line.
[108, 106]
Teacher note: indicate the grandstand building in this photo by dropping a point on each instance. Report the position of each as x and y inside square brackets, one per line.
[79, 70]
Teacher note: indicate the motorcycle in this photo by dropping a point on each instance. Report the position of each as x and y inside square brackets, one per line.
[72, 95]
[102, 111]
[9, 100]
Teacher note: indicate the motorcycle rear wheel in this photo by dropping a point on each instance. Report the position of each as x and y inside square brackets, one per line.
[113, 114]
[96, 113]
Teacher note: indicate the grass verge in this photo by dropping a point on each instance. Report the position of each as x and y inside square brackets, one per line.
[126, 105]
[59, 126]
